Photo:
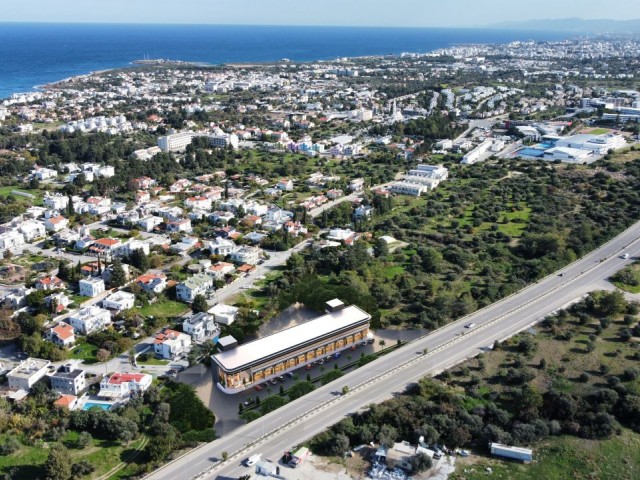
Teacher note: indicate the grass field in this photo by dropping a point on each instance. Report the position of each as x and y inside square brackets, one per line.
[103, 455]
[152, 361]
[86, 352]
[597, 131]
[563, 458]
[164, 309]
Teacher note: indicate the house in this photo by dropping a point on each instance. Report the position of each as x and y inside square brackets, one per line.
[142, 196]
[200, 325]
[182, 225]
[55, 224]
[198, 203]
[295, 228]
[224, 314]
[68, 379]
[152, 282]
[220, 270]
[130, 246]
[62, 335]
[120, 386]
[105, 247]
[250, 255]
[285, 184]
[91, 287]
[49, 283]
[221, 246]
[185, 245]
[334, 193]
[70, 402]
[199, 284]
[171, 344]
[90, 319]
[56, 201]
[221, 217]
[16, 298]
[149, 223]
[356, 185]
[32, 230]
[11, 241]
[27, 373]
[57, 302]
[363, 212]
[119, 301]
[143, 183]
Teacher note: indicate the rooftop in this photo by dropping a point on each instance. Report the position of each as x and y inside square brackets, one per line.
[29, 367]
[120, 378]
[279, 342]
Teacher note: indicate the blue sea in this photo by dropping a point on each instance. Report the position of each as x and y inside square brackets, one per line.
[36, 54]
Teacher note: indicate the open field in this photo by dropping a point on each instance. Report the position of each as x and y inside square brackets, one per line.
[563, 458]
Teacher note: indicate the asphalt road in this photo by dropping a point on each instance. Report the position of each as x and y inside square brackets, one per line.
[280, 430]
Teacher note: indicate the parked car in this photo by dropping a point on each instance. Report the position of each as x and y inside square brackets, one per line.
[258, 387]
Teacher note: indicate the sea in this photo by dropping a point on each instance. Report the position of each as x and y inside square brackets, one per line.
[34, 54]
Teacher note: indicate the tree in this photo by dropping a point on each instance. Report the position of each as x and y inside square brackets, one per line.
[380, 248]
[199, 304]
[421, 462]
[58, 464]
[102, 355]
[140, 260]
[118, 275]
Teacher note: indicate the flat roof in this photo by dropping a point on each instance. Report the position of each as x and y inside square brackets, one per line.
[291, 337]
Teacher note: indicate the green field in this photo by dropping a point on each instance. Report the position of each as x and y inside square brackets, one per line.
[103, 455]
[563, 458]
[86, 352]
[599, 131]
[164, 309]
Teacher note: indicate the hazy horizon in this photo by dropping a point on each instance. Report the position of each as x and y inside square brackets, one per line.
[330, 13]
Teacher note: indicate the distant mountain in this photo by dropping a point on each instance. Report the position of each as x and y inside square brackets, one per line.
[576, 25]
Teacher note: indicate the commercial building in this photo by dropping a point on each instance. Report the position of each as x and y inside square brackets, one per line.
[25, 375]
[176, 142]
[259, 360]
[224, 140]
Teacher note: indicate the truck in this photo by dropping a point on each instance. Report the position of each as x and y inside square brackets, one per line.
[299, 456]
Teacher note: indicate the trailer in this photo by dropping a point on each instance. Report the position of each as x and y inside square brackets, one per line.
[299, 456]
[517, 453]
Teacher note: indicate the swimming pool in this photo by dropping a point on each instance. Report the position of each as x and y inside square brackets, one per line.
[530, 152]
[104, 406]
[546, 145]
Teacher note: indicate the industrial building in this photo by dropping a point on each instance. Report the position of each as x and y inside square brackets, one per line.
[254, 362]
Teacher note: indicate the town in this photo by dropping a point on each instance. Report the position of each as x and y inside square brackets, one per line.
[156, 219]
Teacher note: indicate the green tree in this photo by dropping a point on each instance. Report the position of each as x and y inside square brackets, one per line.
[140, 260]
[199, 304]
[118, 275]
[58, 464]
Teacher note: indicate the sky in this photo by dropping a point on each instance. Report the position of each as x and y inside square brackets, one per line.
[389, 13]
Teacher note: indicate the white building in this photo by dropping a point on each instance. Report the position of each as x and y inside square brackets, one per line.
[222, 246]
[119, 301]
[91, 287]
[120, 386]
[199, 284]
[250, 255]
[224, 314]
[12, 241]
[171, 344]
[68, 379]
[477, 153]
[224, 140]
[32, 230]
[55, 224]
[62, 335]
[408, 188]
[149, 223]
[27, 373]
[176, 142]
[200, 325]
[90, 319]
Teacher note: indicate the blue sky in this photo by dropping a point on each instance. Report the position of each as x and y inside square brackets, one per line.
[410, 13]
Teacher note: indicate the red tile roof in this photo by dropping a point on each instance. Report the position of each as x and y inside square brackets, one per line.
[120, 378]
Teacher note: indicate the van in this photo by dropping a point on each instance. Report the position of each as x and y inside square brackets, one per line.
[253, 459]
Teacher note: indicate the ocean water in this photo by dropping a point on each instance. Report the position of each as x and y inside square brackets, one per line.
[35, 54]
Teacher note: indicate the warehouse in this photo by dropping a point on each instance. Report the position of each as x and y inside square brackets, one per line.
[259, 360]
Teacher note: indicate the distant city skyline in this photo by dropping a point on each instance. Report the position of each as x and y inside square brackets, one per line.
[398, 13]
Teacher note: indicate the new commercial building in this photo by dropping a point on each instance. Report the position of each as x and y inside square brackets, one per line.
[262, 359]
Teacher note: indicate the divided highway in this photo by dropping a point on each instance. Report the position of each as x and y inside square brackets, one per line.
[299, 420]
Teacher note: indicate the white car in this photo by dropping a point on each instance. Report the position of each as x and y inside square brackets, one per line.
[625, 256]
[470, 325]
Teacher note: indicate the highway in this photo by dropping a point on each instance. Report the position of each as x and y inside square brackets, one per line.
[377, 381]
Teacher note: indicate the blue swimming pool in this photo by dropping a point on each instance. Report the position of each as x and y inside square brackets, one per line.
[546, 145]
[104, 406]
[530, 152]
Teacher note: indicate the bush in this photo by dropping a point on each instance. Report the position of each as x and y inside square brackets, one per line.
[10, 446]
